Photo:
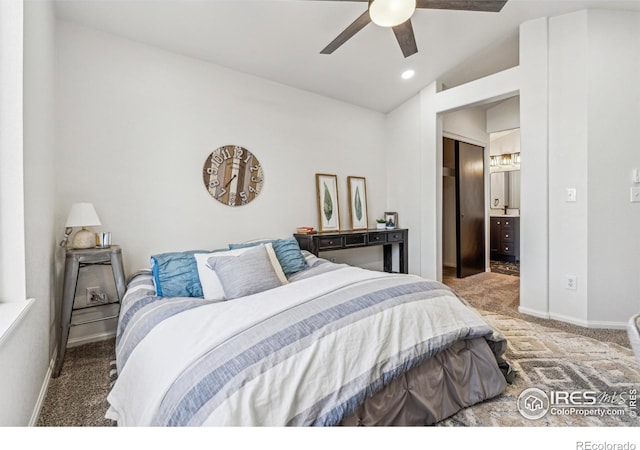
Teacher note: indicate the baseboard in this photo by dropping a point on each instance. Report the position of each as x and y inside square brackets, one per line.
[573, 320]
[533, 312]
[43, 392]
[91, 338]
[607, 325]
[568, 319]
[589, 323]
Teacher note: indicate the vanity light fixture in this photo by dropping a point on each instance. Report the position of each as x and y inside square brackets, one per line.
[515, 158]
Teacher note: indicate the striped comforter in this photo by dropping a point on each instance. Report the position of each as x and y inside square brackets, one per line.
[306, 353]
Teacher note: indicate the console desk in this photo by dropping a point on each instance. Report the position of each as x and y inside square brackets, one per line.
[342, 240]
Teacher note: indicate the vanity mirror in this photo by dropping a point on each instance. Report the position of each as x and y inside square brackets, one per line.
[505, 189]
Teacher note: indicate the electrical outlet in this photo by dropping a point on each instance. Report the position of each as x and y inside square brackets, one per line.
[571, 282]
[95, 296]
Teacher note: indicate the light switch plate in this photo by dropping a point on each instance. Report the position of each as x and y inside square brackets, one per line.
[635, 195]
[571, 194]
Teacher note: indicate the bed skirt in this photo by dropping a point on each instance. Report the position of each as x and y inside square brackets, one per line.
[460, 376]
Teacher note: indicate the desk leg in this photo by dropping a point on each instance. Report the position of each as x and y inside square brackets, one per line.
[118, 274]
[404, 257]
[387, 256]
[69, 293]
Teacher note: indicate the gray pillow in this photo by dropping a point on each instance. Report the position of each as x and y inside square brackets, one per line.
[245, 274]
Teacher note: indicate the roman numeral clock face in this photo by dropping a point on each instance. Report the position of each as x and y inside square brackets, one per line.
[233, 175]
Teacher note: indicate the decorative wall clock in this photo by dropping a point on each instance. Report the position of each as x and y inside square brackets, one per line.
[233, 175]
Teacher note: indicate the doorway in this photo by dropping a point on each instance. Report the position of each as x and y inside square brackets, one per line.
[504, 204]
[463, 208]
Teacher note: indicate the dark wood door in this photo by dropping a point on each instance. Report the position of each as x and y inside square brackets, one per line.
[470, 236]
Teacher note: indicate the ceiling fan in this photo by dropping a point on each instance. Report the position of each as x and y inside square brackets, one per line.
[397, 14]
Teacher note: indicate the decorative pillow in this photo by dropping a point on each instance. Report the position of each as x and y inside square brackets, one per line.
[245, 274]
[212, 287]
[287, 250]
[176, 275]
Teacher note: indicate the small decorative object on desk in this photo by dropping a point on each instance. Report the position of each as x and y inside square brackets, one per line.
[103, 240]
[305, 230]
[381, 224]
[391, 219]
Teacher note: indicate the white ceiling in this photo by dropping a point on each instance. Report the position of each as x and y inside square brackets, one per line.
[280, 40]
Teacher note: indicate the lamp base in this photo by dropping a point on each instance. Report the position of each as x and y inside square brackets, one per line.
[84, 239]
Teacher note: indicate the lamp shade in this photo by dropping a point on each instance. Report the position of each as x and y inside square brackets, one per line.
[82, 215]
[390, 13]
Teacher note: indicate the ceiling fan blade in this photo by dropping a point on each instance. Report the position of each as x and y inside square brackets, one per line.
[463, 5]
[406, 38]
[348, 33]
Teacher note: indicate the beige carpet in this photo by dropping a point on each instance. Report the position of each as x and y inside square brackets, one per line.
[546, 354]
[553, 360]
[78, 397]
[500, 294]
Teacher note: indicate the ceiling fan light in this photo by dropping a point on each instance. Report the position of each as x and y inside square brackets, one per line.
[389, 13]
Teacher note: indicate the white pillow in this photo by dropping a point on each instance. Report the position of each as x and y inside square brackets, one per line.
[211, 287]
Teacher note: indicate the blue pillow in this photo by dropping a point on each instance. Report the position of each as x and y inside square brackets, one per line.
[287, 251]
[176, 274]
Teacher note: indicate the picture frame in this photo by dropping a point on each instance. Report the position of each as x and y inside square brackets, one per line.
[393, 217]
[328, 205]
[358, 202]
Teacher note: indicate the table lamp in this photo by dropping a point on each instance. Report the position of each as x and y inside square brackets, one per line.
[83, 215]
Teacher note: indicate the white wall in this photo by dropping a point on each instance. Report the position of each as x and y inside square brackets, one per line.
[568, 148]
[614, 121]
[468, 124]
[505, 144]
[12, 271]
[25, 349]
[39, 177]
[404, 177]
[594, 117]
[136, 123]
[504, 116]
[591, 117]
[534, 191]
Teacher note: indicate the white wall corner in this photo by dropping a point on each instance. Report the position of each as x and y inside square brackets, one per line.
[534, 212]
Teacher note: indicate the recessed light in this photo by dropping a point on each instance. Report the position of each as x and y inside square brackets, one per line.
[408, 74]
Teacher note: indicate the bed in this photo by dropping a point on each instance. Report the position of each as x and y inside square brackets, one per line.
[331, 345]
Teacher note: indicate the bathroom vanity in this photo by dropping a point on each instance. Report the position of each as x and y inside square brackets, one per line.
[505, 238]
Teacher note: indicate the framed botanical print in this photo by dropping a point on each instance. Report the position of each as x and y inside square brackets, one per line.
[327, 193]
[358, 202]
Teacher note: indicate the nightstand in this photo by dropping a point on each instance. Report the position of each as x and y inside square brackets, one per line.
[74, 260]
